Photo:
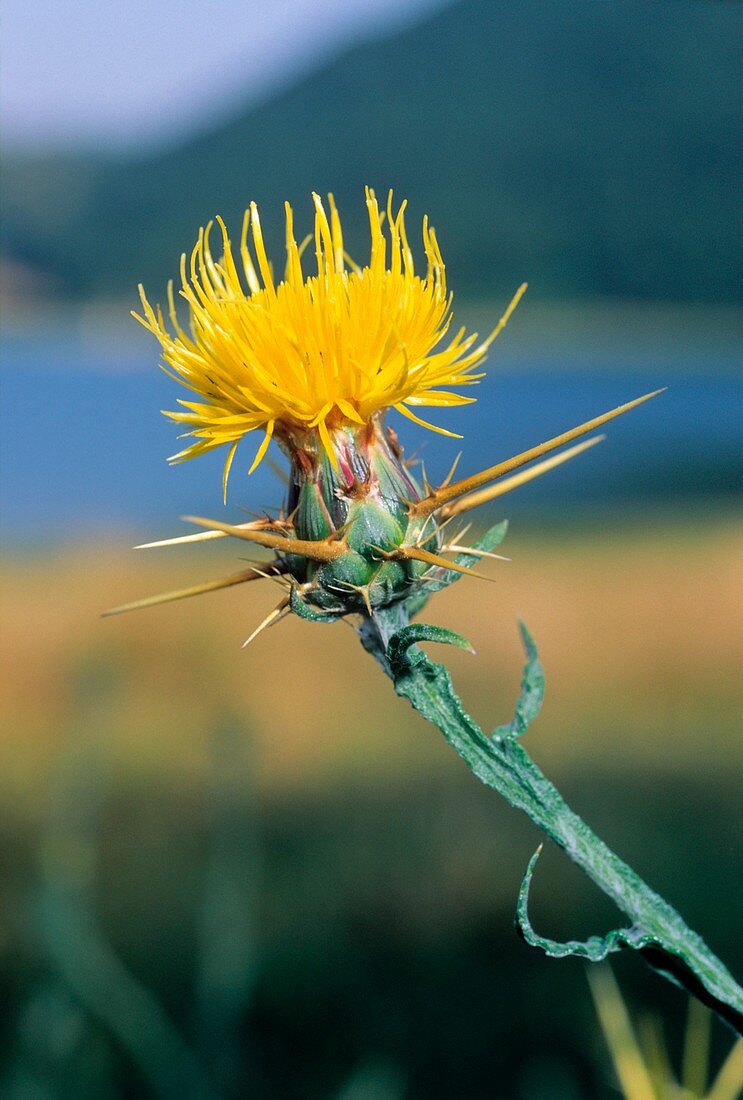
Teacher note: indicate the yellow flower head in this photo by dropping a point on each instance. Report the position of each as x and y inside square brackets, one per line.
[312, 352]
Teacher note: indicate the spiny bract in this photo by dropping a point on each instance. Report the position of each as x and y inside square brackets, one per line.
[315, 361]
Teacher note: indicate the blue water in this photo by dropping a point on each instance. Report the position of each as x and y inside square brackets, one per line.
[83, 449]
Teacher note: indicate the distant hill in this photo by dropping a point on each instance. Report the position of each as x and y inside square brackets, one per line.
[592, 147]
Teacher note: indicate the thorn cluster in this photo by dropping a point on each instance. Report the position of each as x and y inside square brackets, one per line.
[359, 534]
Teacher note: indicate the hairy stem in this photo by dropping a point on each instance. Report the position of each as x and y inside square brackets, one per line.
[656, 929]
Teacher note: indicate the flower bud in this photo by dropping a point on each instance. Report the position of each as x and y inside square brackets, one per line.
[359, 492]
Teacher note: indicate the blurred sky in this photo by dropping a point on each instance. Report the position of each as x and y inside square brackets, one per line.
[124, 72]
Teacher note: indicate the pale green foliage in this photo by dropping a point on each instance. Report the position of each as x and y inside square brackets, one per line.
[656, 930]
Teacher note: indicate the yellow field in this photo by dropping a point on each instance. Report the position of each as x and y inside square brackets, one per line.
[640, 634]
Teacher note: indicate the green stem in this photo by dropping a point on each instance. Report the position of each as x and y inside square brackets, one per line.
[500, 761]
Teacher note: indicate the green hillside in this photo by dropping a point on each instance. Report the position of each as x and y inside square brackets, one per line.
[588, 146]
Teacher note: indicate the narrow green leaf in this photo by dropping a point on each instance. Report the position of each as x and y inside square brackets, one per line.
[595, 948]
[401, 642]
[488, 542]
[532, 691]
[676, 959]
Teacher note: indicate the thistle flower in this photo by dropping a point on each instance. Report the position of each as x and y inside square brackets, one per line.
[315, 361]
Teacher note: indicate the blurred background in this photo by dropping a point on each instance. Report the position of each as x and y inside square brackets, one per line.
[232, 873]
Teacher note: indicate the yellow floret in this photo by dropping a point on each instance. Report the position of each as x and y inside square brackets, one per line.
[316, 351]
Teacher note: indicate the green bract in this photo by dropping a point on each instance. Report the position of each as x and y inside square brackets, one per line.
[363, 501]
